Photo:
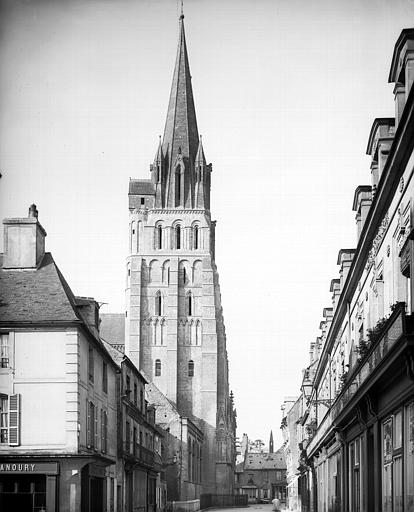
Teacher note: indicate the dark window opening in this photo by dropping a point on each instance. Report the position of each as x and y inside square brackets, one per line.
[159, 237]
[191, 368]
[195, 237]
[178, 237]
[177, 187]
[157, 367]
[158, 304]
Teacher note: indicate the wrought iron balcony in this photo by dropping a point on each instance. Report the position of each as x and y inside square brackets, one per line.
[393, 330]
[138, 454]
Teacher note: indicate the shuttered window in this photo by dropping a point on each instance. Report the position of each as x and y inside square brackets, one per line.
[14, 420]
[92, 426]
[90, 364]
[104, 377]
[104, 431]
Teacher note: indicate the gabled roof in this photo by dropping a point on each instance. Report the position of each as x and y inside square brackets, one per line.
[265, 461]
[36, 296]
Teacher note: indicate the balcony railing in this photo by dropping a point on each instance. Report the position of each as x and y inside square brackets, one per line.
[141, 454]
[392, 332]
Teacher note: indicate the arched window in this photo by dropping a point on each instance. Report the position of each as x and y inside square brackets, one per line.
[132, 237]
[195, 237]
[158, 367]
[138, 233]
[189, 304]
[178, 237]
[178, 186]
[191, 368]
[198, 333]
[158, 303]
[158, 234]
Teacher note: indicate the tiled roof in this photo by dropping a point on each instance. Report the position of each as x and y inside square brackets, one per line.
[40, 295]
[115, 354]
[141, 187]
[112, 328]
[265, 461]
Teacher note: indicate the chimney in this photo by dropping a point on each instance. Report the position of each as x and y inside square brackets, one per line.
[88, 308]
[336, 292]
[24, 242]
[402, 70]
[361, 205]
[345, 257]
[379, 144]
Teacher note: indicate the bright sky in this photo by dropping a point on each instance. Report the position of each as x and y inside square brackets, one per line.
[285, 93]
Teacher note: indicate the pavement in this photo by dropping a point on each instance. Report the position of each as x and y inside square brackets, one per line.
[252, 507]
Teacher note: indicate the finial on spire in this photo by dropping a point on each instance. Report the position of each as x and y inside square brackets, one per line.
[182, 10]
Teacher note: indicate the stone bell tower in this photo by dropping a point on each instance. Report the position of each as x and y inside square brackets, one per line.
[174, 323]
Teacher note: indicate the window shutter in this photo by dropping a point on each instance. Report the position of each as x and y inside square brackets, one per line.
[95, 413]
[14, 420]
[88, 424]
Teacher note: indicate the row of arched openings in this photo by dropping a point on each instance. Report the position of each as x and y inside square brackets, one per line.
[159, 304]
[177, 237]
[158, 368]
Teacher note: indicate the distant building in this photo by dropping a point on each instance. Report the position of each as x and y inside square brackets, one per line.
[262, 476]
[58, 396]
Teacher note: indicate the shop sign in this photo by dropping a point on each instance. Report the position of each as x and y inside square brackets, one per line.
[29, 467]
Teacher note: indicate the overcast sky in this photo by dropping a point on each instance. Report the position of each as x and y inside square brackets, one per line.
[285, 92]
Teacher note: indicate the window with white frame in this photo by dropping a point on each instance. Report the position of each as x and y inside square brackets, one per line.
[4, 350]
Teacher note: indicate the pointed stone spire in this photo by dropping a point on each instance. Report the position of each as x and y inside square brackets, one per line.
[157, 174]
[271, 449]
[200, 159]
[180, 141]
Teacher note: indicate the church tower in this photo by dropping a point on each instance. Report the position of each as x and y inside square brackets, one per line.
[174, 324]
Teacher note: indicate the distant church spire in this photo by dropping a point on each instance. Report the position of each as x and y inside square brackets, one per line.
[271, 443]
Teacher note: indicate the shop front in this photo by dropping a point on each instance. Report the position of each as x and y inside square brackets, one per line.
[28, 485]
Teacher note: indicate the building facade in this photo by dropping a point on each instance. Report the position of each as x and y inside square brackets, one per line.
[174, 323]
[262, 476]
[58, 436]
[139, 464]
[359, 451]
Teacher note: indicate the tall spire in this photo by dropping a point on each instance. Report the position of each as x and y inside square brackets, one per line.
[271, 449]
[181, 124]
